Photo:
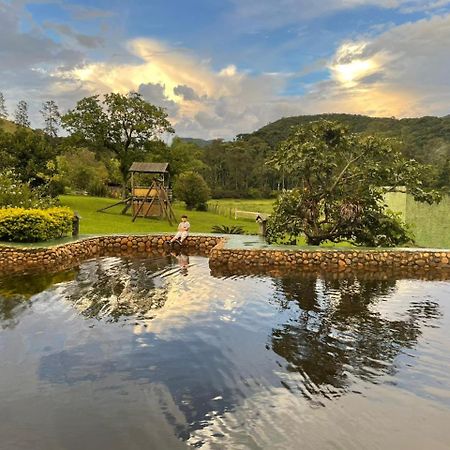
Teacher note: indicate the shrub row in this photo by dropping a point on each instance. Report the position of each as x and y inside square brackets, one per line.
[31, 225]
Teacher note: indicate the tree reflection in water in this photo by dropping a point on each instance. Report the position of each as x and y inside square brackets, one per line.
[114, 288]
[16, 292]
[336, 332]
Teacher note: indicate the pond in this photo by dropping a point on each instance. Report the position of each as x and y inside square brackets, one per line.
[159, 353]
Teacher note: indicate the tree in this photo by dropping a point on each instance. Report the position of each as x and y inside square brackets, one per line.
[79, 170]
[343, 178]
[21, 114]
[52, 117]
[29, 152]
[3, 110]
[122, 124]
[191, 188]
[185, 156]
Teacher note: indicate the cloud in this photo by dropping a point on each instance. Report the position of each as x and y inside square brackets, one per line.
[402, 72]
[84, 40]
[87, 13]
[186, 92]
[27, 56]
[23, 50]
[198, 99]
[274, 14]
[154, 93]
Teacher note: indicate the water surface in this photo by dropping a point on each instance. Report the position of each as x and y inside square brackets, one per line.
[159, 354]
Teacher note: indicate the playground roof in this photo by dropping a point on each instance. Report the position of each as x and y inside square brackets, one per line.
[144, 167]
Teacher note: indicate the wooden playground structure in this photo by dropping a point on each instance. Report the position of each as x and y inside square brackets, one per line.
[153, 199]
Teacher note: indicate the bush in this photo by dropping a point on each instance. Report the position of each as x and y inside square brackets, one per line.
[225, 229]
[191, 188]
[81, 171]
[32, 225]
[14, 193]
[97, 189]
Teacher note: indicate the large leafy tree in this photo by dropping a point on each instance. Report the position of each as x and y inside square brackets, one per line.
[122, 124]
[343, 177]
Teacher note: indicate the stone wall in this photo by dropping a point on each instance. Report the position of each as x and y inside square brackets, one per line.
[225, 261]
[14, 259]
[393, 261]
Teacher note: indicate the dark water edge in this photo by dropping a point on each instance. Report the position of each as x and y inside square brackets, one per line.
[125, 353]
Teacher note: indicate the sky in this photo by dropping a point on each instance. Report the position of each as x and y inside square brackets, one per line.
[224, 67]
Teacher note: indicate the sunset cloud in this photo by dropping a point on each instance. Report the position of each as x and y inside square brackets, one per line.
[402, 72]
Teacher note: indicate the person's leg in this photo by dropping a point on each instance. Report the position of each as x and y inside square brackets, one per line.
[176, 237]
[184, 235]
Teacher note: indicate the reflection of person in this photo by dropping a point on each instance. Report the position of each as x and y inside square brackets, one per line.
[183, 261]
[183, 230]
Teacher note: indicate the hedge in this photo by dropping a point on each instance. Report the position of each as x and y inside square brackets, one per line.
[31, 225]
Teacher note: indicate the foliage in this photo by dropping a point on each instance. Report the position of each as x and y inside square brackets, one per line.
[122, 124]
[225, 229]
[52, 117]
[185, 157]
[29, 153]
[31, 225]
[426, 139]
[235, 167]
[21, 114]
[342, 180]
[15, 193]
[191, 188]
[81, 171]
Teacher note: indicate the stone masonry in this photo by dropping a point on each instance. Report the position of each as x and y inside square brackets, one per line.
[228, 260]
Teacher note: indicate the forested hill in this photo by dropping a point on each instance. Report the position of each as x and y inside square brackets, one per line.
[424, 138]
[7, 125]
[197, 141]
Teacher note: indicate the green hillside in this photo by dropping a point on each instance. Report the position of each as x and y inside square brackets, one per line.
[7, 125]
[426, 138]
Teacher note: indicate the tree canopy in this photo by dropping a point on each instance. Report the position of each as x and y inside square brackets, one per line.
[52, 117]
[21, 114]
[341, 180]
[191, 188]
[122, 124]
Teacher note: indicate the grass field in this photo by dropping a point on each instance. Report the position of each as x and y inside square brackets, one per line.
[259, 205]
[430, 224]
[112, 221]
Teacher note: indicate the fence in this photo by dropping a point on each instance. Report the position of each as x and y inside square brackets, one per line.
[233, 213]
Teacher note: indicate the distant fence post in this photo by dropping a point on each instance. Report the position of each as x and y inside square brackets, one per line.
[75, 224]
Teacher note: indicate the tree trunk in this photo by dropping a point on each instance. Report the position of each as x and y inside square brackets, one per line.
[313, 240]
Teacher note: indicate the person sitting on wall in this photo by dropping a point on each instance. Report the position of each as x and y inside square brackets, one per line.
[183, 230]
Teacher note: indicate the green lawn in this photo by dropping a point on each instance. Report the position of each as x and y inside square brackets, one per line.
[112, 221]
[257, 205]
[430, 224]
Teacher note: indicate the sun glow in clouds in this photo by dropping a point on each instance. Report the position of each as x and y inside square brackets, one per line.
[350, 66]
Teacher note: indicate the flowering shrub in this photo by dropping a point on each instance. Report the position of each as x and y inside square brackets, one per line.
[15, 193]
[31, 225]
